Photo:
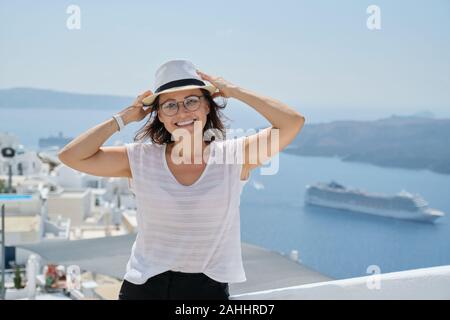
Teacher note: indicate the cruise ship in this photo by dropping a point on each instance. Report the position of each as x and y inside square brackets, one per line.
[402, 205]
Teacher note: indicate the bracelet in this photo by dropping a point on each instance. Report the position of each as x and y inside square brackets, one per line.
[119, 121]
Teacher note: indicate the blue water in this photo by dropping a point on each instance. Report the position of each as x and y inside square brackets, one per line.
[15, 197]
[337, 243]
[29, 125]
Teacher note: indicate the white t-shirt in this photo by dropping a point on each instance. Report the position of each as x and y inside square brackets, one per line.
[193, 228]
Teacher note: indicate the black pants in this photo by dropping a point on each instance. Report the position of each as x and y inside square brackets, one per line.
[174, 285]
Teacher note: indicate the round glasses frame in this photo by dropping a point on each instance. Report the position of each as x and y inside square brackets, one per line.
[185, 104]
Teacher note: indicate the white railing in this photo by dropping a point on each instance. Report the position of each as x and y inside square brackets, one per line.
[427, 283]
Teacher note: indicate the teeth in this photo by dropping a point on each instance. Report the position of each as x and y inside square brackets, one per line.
[183, 123]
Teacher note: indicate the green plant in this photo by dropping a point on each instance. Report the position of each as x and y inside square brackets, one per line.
[2, 186]
[17, 278]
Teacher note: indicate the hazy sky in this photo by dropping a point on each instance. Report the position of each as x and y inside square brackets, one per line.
[308, 53]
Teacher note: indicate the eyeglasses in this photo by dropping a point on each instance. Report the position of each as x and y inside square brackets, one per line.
[170, 107]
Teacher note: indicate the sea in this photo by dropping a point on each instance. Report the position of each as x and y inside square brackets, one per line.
[337, 243]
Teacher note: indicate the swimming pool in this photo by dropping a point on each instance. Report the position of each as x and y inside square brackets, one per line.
[14, 197]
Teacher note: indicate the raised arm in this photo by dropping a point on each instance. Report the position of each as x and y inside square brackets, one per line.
[86, 154]
[286, 122]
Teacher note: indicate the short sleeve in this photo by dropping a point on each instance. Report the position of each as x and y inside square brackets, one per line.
[133, 151]
[240, 157]
[235, 150]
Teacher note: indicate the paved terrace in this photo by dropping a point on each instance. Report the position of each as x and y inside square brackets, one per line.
[264, 269]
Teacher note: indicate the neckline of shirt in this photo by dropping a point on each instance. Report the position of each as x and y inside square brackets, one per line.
[196, 182]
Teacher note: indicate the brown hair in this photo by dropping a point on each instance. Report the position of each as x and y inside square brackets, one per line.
[157, 133]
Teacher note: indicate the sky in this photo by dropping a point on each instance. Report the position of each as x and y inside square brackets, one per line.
[316, 55]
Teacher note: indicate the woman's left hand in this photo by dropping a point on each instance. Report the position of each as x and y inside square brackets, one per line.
[225, 87]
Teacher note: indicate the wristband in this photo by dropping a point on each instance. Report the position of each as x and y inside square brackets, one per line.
[119, 121]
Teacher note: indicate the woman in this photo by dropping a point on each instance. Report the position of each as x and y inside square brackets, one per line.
[187, 182]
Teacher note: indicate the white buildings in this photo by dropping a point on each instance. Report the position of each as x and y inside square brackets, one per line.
[24, 163]
[89, 206]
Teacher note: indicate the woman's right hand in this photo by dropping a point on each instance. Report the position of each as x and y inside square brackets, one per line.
[136, 111]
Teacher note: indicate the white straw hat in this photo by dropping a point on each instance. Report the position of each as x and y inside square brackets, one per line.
[177, 75]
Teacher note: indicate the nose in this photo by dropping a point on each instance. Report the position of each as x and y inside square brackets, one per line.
[182, 109]
[182, 113]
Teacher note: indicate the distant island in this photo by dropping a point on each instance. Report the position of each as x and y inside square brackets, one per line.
[412, 142]
[416, 142]
[26, 98]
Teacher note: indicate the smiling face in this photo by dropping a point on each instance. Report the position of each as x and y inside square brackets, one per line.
[183, 118]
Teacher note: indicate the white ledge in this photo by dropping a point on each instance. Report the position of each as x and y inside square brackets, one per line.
[426, 283]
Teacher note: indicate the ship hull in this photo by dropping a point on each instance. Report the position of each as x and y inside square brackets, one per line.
[396, 214]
